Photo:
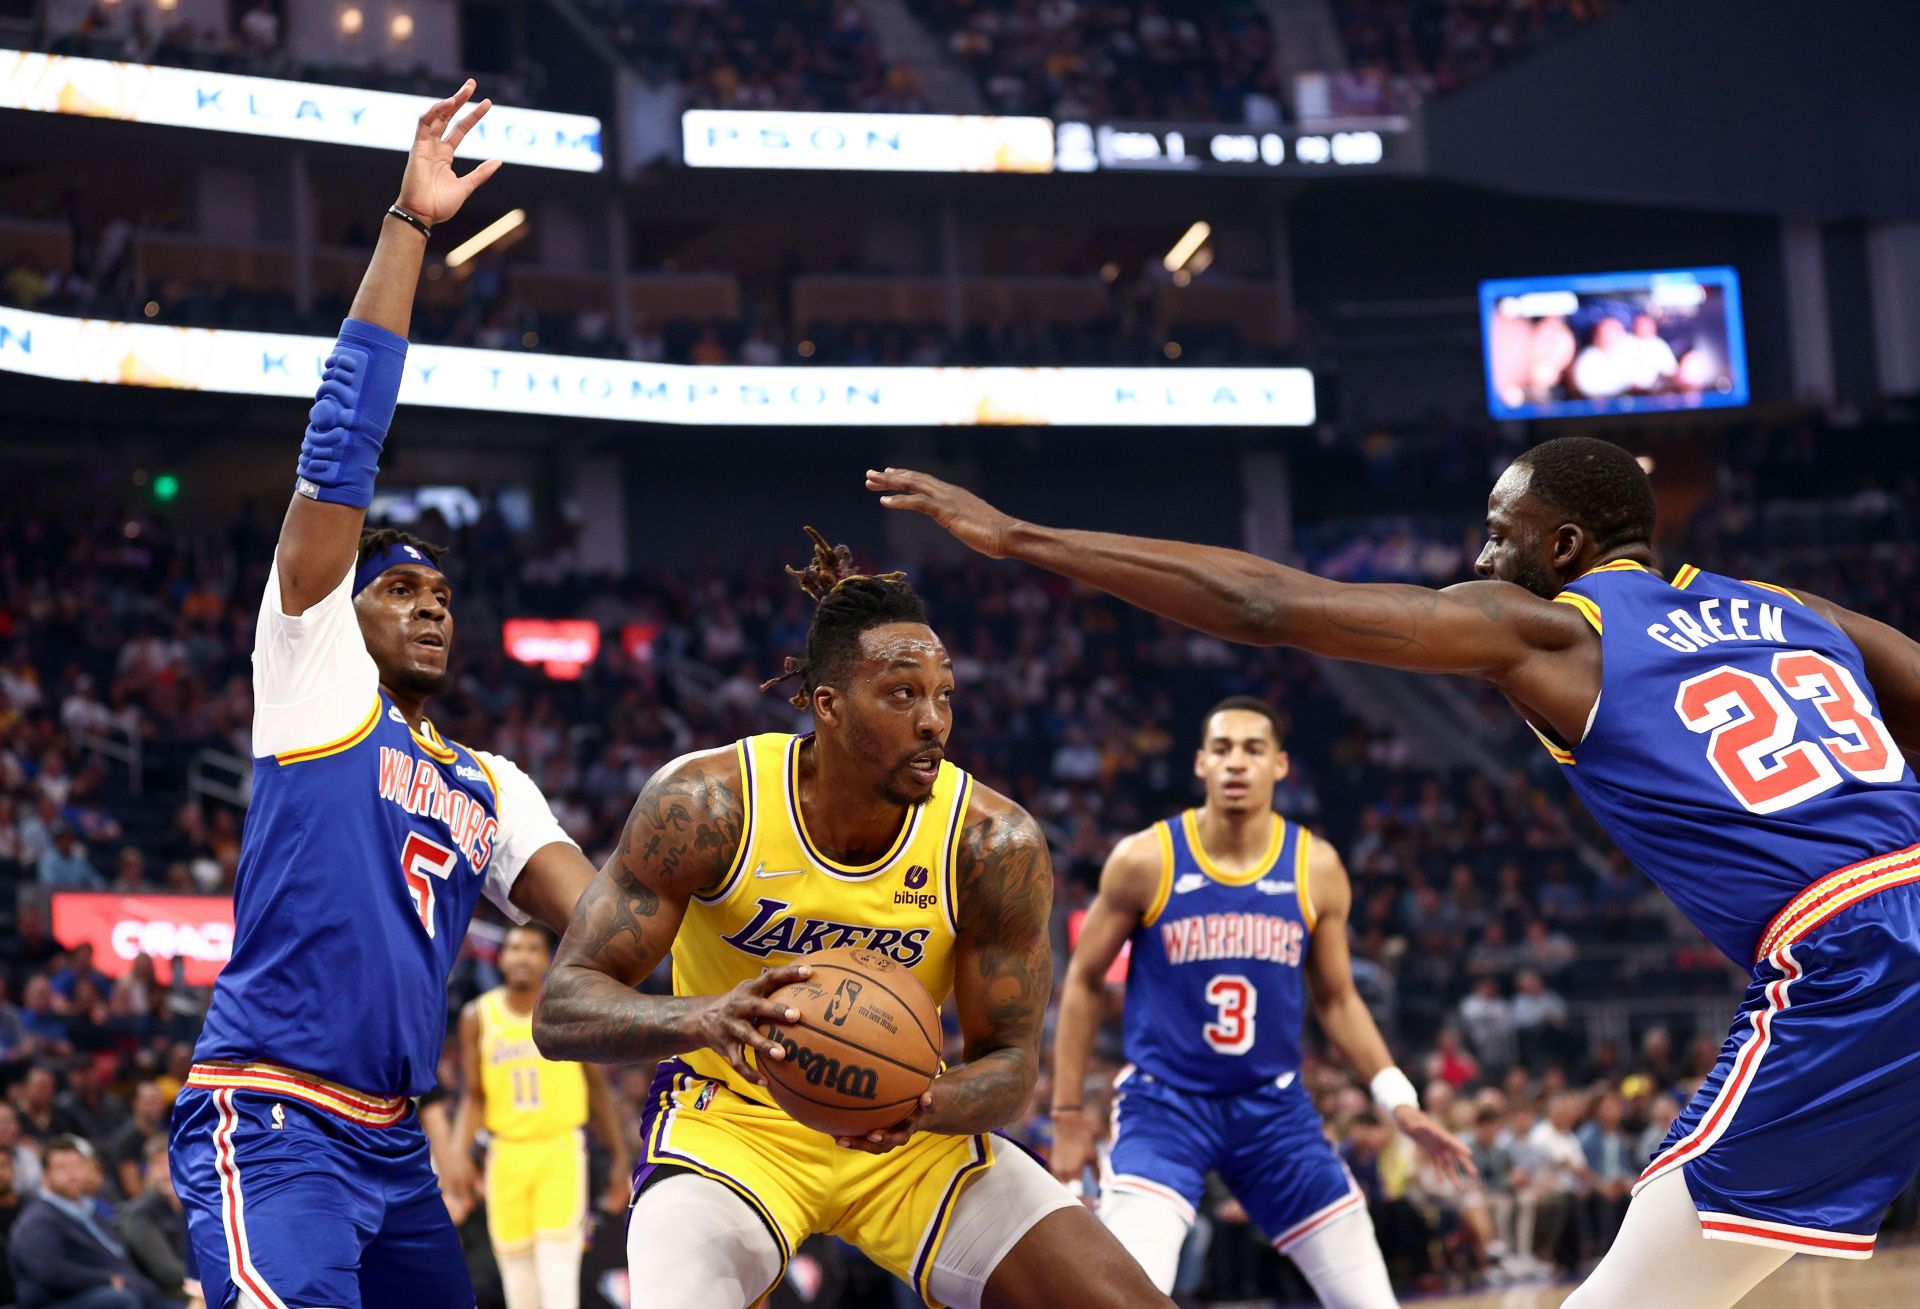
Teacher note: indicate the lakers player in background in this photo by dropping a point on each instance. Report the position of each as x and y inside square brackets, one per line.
[296, 1146]
[745, 859]
[535, 1113]
[1238, 922]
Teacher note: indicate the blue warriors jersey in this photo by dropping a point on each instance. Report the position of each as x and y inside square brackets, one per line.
[1215, 994]
[360, 866]
[1736, 752]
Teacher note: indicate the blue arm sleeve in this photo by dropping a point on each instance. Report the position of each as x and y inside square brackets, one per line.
[348, 423]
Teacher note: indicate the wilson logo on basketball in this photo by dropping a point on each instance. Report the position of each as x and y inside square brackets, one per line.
[854, 1081]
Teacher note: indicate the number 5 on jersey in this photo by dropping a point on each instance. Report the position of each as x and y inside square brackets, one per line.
[1231, 1031]
[419, 857]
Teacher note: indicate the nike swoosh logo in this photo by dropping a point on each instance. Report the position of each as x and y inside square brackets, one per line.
[761, 871]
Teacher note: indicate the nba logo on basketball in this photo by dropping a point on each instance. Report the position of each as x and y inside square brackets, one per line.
[916, 879]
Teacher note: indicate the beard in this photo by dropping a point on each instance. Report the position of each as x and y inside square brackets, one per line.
[1533, 574]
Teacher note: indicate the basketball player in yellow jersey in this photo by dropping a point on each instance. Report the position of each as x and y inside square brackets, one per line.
[861, 834]
[535, 1112]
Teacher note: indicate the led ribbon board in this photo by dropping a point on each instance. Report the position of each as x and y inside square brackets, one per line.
[296, 111]
[272, 364]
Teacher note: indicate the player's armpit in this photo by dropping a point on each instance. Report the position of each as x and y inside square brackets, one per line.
[680, 838]
[1003, 967]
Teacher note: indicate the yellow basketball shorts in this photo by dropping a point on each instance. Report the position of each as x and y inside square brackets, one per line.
[536, 1188]
[894, 1207]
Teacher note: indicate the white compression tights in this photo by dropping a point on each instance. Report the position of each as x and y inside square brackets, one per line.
[1342, 1260]
[1661, 1261]
[691, 1241]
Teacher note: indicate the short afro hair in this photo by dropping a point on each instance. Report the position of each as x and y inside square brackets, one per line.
[1595, 484]
[1252, 705]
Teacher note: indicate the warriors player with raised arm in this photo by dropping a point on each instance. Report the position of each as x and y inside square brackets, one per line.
[296, 1149]
[1237, 919]
[744, 859]
[1743, 744]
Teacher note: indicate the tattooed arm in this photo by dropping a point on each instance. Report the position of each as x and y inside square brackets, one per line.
[681, 838]
[1494, 630]
[1003, 971]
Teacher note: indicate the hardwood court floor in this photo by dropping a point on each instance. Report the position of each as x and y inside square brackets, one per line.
[1889, 1280]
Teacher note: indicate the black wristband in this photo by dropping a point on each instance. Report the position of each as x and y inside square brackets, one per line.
[411, 220]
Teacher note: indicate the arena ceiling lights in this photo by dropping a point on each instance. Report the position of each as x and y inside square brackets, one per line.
[296, 111]
[271, 364]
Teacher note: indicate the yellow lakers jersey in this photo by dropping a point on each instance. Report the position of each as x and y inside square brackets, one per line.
[527, 1096]
[783, 897]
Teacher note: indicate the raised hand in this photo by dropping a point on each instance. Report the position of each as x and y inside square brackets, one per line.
[430, 190]
[973, 521]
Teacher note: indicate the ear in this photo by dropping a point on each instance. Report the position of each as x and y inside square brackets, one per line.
[1282, 765]
[1569, 542]
[826, 706]
[1200, 764]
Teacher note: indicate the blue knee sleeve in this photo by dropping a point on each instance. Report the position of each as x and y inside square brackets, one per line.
[348, 423]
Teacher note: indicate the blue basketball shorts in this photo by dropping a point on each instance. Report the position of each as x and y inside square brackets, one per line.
[1266, 1144]
[1809, 1124]
[302, 1206]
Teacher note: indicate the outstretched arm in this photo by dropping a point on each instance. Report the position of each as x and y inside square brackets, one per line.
[1484, 629]
[1003, 972]
[321, 532]
[681, 838]
[1343, 1014]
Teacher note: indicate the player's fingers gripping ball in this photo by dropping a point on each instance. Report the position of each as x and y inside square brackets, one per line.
[864, 1049]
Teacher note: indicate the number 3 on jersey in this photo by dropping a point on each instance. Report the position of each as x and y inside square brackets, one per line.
[1231, 1031]
[421, 860]
[1751, 729]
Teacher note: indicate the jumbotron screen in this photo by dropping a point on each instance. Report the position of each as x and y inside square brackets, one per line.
[1613, 343]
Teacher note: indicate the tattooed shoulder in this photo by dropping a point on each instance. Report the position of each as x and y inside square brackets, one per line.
[685, 828]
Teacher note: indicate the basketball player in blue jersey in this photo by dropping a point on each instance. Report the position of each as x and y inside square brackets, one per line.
[296, 1149]
[1236, 918]
[1744, 745]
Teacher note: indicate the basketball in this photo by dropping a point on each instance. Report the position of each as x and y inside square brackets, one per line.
[866, 1045]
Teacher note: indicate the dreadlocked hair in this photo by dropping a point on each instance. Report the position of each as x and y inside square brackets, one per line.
[849, 603]
[375, 539]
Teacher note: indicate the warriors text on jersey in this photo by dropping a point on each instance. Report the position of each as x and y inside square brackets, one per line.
[366, 848]
[1736, 752]
[1214, 986]
[783, 897]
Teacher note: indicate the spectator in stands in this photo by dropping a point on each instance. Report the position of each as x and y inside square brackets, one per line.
[1486, 1017]
[23, 1158]
[62, 1256]
[33, 1098]
[86, 1109]
[14, 1040]
[79, 968]
[125, 1150]
[1539, 1019]
[64, 866]
[154, 1226]
[11, 1202]
[1661, 1112]
[1560, 1177]
[31, 949]
[1611, 1165]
